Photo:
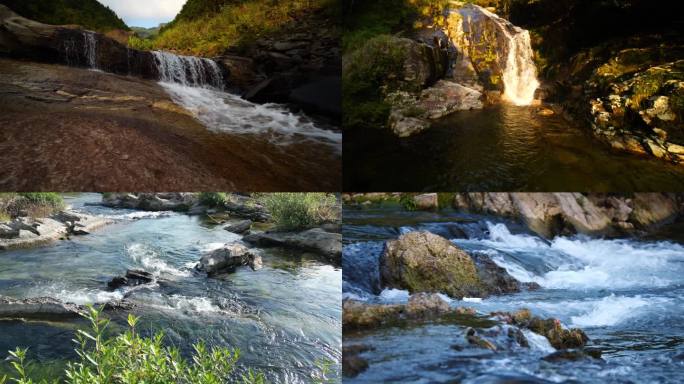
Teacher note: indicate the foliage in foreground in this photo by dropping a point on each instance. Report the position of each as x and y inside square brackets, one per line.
[300, 210]
[34, 204]
[129, 358]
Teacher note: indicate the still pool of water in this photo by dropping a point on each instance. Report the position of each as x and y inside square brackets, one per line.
[500, 148]
[626, 294]
[285, 318]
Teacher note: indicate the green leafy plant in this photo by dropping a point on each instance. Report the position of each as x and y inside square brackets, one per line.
[34, 204]
[300, 210]
[407, 201]
[130, 358]
[213, 199]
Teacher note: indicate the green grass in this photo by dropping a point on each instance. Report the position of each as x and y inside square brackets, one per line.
[130, 358]
[292, 211]
[87, 13]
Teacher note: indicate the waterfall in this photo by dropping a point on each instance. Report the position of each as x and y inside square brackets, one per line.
[188, 70]
[90, 48]
[520, 73]
[475, 31]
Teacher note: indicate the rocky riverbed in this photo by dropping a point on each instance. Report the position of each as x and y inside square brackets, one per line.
[183, 273]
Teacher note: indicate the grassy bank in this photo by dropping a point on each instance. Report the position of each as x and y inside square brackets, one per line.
[291, 211]
[211, 27]
[35, 204]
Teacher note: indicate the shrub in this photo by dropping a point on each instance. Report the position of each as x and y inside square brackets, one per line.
[406, 200]
[130, 358]
[213, 199]
[300, 210]
[34, 204]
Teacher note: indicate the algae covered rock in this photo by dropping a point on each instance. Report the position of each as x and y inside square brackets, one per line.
[425, 262]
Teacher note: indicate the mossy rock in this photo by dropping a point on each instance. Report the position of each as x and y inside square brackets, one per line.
[425, 262]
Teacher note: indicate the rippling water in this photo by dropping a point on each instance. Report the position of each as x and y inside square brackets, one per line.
[501, 148]
[627, 294]
[285, 318]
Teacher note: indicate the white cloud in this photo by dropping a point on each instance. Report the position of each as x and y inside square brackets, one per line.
[136, 12]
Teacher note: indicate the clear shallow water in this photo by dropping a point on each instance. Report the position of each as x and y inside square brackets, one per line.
[627, 294]
[500, 148]
[284, 317]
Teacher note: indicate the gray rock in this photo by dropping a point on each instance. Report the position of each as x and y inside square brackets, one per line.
[44, 308]
[228, 258]
[239, 227]
[316, 240]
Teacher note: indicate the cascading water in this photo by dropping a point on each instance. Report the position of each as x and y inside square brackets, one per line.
[188, 70]
[90, 48]
[519, 73]
[626, 294]
[197, 85]
[478, 33]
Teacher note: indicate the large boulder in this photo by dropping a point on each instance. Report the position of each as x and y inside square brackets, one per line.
[228, 258]
[317, 240]
[425, 262]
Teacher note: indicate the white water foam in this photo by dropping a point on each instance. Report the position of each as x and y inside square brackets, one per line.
[538, 342]
[152, 262]
[585, 263]
[141, 215]
[610, 311]
[225, 112]
[79, 296]
[391, 295]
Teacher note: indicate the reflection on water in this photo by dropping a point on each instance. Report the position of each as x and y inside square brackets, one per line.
[284, 318]
[501, 148]
[627, 295]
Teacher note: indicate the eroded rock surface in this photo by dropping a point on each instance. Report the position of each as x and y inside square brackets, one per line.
[317, 240]
[227, 258]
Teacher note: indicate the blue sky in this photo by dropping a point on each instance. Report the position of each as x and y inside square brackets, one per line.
[145, 13]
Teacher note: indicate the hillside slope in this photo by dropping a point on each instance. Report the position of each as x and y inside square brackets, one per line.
[87, 13]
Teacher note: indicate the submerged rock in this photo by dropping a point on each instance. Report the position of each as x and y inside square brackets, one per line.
[40, 308]
[327, 244]
[425, 262]
[559, 337]
[572, 355]
[420, 307]
[352, 363]
[228, 258]
[132, 278]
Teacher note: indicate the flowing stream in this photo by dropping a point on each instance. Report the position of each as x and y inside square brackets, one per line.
[285, 318]
[198, 85]
[626, 294]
